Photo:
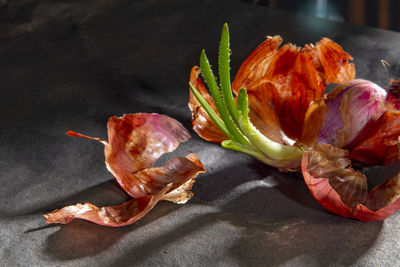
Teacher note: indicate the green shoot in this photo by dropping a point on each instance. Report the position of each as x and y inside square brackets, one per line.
[219, 101]
[214, 116]
[224, 73]
[234, 121]
[264, 144]
[229, 144]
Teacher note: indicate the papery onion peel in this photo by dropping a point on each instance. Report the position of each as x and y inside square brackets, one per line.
[342, 190]
[135, 142]
[281, 83]
[275, 86]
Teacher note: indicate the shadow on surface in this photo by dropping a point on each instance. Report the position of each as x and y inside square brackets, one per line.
[285, 233]
[292, 185]
[277, 220]
[40, 228]
[104, 194]
[80, 238]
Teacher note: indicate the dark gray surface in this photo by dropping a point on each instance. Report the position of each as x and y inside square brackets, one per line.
[72, 64]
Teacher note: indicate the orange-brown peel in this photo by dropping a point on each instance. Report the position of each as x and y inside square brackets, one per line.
[135, 142]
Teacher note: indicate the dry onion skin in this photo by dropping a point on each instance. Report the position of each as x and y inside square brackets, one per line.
[201, 121]
[135, 142]
[362, 117]
[279, 115]
[276, 78]
[268, 117]
[336, 186]
[284, 80]
[381, 145]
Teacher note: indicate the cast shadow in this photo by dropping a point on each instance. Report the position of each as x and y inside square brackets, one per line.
[103, 194]
[291, 185]
[277, 219]
[288, 234]
[279, 222]
[80, 238]
[296, 229]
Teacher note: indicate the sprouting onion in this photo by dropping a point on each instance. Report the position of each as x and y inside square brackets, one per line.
[234, 121]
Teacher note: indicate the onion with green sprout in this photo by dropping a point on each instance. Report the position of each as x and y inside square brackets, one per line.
[280, 116]
[268, 120]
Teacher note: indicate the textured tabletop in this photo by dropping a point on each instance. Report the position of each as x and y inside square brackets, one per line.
[70, 65]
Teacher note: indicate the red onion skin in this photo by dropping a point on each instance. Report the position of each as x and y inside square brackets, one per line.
[324, 165]
[364, 119]
[380, 146]
[330, 199]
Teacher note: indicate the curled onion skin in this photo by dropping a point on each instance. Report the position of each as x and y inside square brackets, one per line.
[361, 117]
[337, 187]
[381, 145]
[135, 142]
[121, 215]
[202, 123]
[289, 78]
[275, 79]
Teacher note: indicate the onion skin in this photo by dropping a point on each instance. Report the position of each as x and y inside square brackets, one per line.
[277, 86]
[352, 109]
[276, 78]
[381, 146]
[325, 167]
[201, 122]
[364, 119]
[287, 79]
[135, 142]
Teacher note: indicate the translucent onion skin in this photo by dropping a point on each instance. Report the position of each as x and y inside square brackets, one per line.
[278, 84]
[352, 108]
[342, 190]
[276, 78]
[381, 145]
[360, 123]
[135, 142]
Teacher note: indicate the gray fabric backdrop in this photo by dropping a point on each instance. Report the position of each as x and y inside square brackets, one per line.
[70, 65]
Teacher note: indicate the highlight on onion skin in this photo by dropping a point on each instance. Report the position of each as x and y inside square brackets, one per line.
[363, 118]
[381, 145]
[286, 79]
[280, 105]
[275, 79]
[336, 186]
[135, 142]
[201, 121]
[274, 88]
[351, 106]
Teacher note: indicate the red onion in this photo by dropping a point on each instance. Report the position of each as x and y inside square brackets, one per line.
[352, 108]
